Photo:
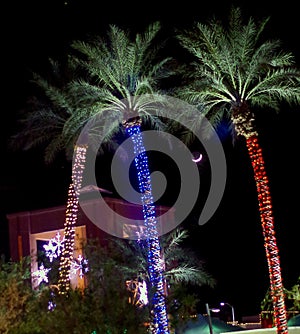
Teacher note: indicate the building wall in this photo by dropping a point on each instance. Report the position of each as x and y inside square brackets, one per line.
[23, 225]
[27, 229]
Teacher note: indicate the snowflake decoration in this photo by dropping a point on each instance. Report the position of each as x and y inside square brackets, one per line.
[41, 274]
[143, 293]
[54, 247]
[51, 305]
[79, 265]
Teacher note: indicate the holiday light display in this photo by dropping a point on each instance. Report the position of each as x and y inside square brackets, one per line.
[66, 258]
[80, 266]
[54, 247]
[158, 302]
[138, 292]
[52, 251]
[51, 303]
[41, 275]
[265, 208]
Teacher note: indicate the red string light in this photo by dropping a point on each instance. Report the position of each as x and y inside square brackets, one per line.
[270, 244]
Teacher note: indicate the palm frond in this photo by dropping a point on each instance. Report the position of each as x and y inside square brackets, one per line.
[189, 275]
[233, 67]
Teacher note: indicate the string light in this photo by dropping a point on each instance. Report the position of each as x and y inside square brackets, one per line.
[71, 219]
[53, 251]
[265, 209]
[160, 319]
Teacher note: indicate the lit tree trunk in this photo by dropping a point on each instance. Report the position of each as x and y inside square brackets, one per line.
[266, 216]
[155, 267]
[71, 219]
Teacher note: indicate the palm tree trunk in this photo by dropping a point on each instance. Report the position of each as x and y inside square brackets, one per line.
[266, 216]
[158, 301]
[71, 219]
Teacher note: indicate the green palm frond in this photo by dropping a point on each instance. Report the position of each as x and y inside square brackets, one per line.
[281, 84]
[105, 77]
[56, 145]
[134, 255]
[189, 275]
[40, 125]
[56, 95]
[232, 66]
[193, 271]
[119, 63]
[174, 238]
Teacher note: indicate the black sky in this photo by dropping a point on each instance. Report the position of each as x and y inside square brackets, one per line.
[231, 242]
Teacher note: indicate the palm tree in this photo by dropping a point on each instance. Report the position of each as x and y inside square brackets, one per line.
[181, 264]
[53, 121]
[292, 298]
[233, 69]
[182, 269]
[118, 81]
[127, 74]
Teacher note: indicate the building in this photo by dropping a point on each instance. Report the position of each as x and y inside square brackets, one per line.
[30, 230]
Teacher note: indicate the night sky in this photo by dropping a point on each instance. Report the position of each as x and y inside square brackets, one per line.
[231, 243]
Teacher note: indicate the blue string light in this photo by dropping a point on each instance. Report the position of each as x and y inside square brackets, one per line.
[155, 263]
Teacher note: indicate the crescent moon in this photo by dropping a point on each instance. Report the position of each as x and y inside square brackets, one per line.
[197, 159]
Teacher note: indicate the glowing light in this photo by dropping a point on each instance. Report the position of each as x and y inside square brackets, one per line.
[66, 258]
[143, 293]
[53, 250]
[80, 266]
[54, 247]
[270, 244]
[138, 292]
[158, 305]
[41, 275]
